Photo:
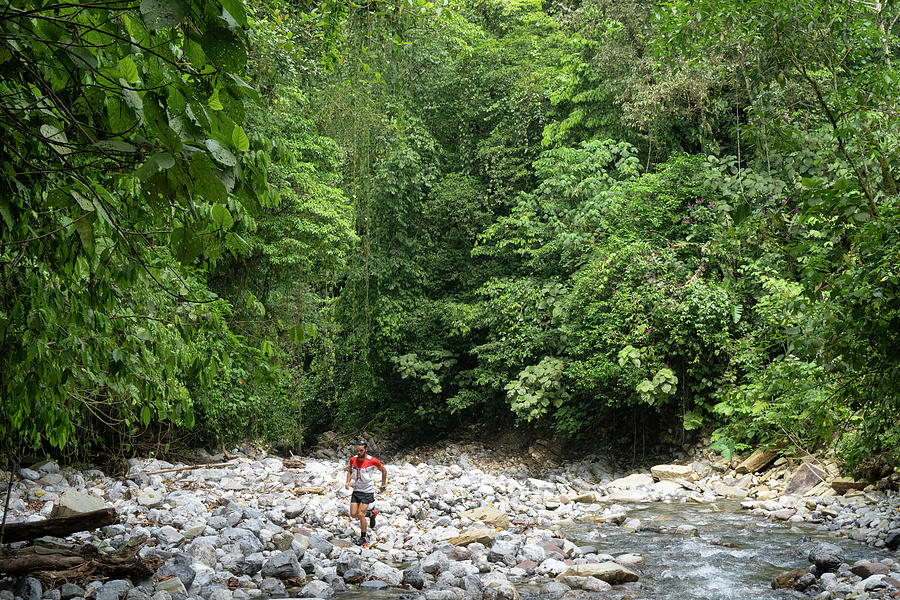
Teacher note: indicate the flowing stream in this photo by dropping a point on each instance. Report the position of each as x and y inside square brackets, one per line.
[733, 556]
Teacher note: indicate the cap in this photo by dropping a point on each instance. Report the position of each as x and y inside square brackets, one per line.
[362, 443]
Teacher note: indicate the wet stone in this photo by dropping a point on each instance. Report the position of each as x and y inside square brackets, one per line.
[272, 587]
[373, 585]
[70, 590]
[354, 576]
[29, 588]
[316, 589]
[827, 557]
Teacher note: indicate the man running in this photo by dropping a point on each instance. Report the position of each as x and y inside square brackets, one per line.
[362, 468]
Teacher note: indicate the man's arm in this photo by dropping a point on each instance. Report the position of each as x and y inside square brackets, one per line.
[383, 476]
[349, 471]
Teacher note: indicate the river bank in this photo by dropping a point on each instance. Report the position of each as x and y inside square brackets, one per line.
[456, 522]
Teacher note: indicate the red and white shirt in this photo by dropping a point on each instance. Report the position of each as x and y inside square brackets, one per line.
[362, 470]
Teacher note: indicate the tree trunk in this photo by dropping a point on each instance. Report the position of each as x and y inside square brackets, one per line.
[59, 526]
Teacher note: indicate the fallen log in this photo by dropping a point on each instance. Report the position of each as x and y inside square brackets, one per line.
[78, 564]
[310, 489]
[58, 526]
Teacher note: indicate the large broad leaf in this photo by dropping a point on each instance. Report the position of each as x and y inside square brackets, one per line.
[222, 217]
[235, 8]
[128, 70]
[85, 230]
[205, 180]
[156, 118]
[221, 153]
[56, 138]
[224, 49]
[240, 139]
[159, 14]
[186, 244]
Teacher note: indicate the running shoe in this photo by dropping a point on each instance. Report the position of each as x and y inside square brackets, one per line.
[372, 514]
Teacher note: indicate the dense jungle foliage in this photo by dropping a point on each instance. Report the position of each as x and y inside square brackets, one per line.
[600, 219]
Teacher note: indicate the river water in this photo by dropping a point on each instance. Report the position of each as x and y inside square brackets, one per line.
[732, 555]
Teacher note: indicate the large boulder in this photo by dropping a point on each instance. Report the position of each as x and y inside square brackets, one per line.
[283, 565]
[892, 541]
[29, 588]
[482, 536]
[75, 503]
[503, 552]
[609, 572]
[756, 461]
[867, 569]
[316, 589]
[842, 485]
[435, 563]
[414, 576]
[635, 480]
[354, 576]
[673, 472]
[320, 544]
[805, 478]
[787, 580]
[629, 495]
[827, 557]
[488, 515]
[347, 562]
[386, 573]
[181, 566]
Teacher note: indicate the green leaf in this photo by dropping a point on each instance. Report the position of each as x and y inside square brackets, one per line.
[83, 202]
[145, 415]
[214, 102]
[224, 49]
[159, 14]
[56, 138]
[4, 211]
[85, 230]
[207, 184]
[185, 244]
[222, 217]
[147, 170]
[194, 53]
[175, 102]
[164, 160]
[128, 70]
[121, 117]
[115, 146]
[221, 153]
[240, 139]
[235, 8]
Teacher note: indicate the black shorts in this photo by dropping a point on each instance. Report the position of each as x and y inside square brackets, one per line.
[362, 498]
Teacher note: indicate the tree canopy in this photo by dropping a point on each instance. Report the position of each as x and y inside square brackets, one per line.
[224, 220]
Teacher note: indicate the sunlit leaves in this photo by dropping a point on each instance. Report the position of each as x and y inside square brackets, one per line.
[240, 139]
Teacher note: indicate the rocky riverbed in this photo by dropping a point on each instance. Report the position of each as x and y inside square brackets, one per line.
[455, 523]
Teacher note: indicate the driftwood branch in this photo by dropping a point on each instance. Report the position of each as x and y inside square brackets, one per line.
[58, 526]
[191, 467]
